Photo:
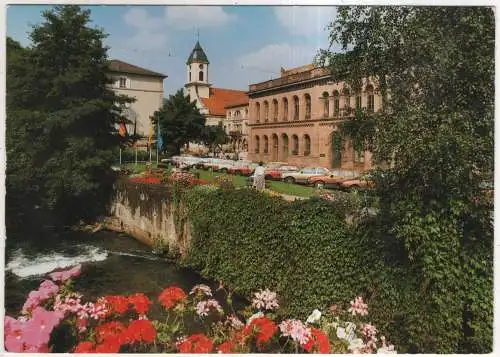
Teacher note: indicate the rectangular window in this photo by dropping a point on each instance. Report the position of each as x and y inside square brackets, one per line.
[371, 103]
[123, 82]
[358, 102]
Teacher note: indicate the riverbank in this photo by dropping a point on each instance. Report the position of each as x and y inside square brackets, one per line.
[112, 263]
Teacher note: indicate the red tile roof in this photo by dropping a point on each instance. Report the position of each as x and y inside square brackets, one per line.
[220, 98]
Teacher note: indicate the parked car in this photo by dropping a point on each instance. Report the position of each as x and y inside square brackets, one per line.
[225, 165]
[332, 180]
[360, 183]
[242, 168]
[303, 175]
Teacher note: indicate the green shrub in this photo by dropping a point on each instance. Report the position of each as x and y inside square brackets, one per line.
[303, 250]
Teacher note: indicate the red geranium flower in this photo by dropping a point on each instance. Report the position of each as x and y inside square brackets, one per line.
[116, 304]
[107, 330]
[84, 347]
[318, 342]
[264, 329]
[197, 343]
[141, 331]
[171, 296]
[226, 347]
[110, 345]
[140, 303]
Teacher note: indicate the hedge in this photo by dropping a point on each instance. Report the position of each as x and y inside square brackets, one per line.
[305, 251]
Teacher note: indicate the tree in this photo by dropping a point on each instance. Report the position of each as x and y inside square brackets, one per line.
[434, 68]
[214, 137]
[61, 119]
[180, 122]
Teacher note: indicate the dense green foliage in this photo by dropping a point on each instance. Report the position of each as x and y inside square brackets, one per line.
[434, 68]
[180, 122]
[60, 120]
[305, 250]
[214, 137]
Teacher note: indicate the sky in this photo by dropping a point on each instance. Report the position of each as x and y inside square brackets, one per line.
[244, 44]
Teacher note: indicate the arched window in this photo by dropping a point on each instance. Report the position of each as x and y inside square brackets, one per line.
[246, 113]
[285, 146]
[307, 145]
[275, 110]
[358, 101]
[370, 98]
[266, 144]
[237, 115]
[285, 109]
[266, 111]
[347, 100]
[308, 106]
[257, 144]
[336, 103]
[200, 76]
[295, 143]
[257, 112]
[295, 108]
[326, 105]
[190, 76]
[275, 147]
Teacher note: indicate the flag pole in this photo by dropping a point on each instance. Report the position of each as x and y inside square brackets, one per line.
[120, 156]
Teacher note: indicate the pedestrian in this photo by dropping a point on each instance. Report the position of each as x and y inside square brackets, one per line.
[259, 181]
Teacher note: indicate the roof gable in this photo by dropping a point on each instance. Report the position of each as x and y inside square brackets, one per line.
[123, 67]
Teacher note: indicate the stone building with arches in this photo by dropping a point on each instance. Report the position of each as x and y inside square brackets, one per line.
[236, 126]
[295, 118]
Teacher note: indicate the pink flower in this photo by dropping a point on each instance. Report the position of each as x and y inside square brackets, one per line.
[235, 322]
[14, 335]
[358, 307]
[203, 307]
[296, 330]
[37, 330]
[62, 276]
[265, 299]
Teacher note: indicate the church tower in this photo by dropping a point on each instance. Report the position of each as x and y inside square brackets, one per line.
[197, 85]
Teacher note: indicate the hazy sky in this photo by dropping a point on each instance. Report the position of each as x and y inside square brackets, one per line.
[244, 44]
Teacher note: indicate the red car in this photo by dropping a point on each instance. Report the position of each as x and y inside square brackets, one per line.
[244, 170]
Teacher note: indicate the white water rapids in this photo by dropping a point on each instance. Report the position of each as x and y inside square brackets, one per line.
[26, 266]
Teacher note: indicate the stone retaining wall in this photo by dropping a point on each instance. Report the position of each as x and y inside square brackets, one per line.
[144, 212]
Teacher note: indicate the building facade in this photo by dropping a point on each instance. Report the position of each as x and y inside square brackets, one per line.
[145, 86]
[296, 118]
[236, 127]
[211, 101]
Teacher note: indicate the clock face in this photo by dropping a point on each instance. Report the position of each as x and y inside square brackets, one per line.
[201, 66]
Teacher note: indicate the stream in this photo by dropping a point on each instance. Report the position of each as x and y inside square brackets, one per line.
[112, 264]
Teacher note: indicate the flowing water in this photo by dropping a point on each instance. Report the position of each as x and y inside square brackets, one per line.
[111, 264]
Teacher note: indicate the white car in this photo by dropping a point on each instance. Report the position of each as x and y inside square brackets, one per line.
[303, 175]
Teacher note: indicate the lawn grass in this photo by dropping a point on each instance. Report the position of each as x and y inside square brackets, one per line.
[137, 169]
[276, 186]
[238, 181]
[291, 189]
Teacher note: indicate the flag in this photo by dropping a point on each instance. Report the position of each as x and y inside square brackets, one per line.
[122, 131]
[151, 132]
[159, 139]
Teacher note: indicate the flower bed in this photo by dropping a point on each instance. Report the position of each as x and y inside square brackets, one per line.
[118, 323]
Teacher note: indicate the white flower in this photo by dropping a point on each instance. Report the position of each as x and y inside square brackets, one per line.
[265, 299]
[203, 307]
[254, 316]
[296, 330]
[356, 344]
[201, 289]
[387, 350]
[314, 317]
[341, 332]
[234, 322]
